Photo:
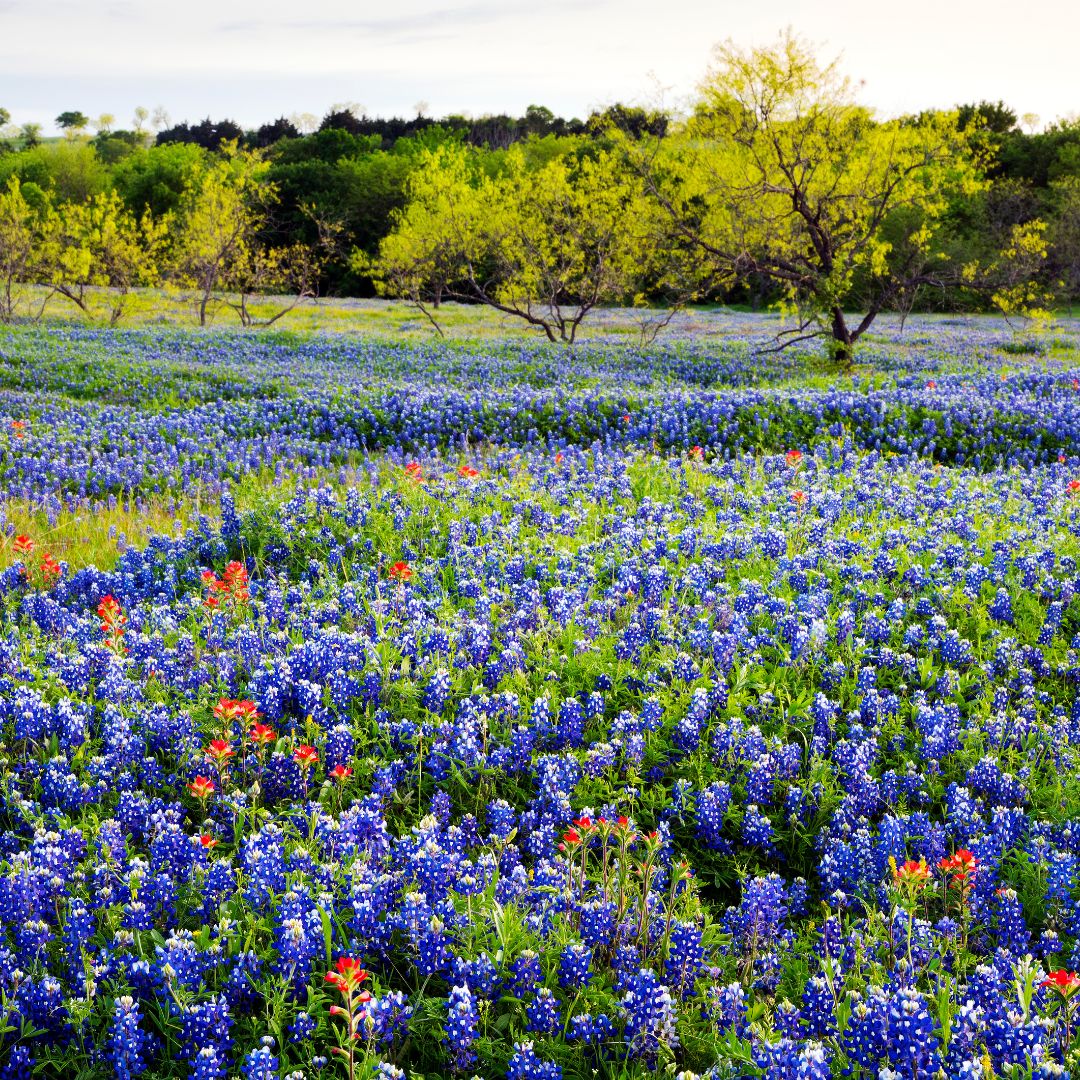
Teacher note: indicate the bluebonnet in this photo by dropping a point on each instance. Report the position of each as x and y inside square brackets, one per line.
[461, 1028]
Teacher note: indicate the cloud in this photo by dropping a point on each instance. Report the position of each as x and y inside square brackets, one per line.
[412, 27]
[256, 58]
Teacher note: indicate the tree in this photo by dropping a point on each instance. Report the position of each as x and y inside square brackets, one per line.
[31, 135]
[74, 171]
[1013, 279]
[5, 117]
[219, 251]
[99, 246]
[114, 146]
[281, 128]
[304, 122]
[291, 272]
[545, 246]
[72, 121]
[1066, 236]
[992, 116]
[629, 119]
[538, 119]
[24, 240]
[209, 134]
[156, 179]
[779, 174]
[342, 120]
[221, 213]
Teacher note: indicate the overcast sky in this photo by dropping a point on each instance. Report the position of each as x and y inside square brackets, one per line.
[253, 60]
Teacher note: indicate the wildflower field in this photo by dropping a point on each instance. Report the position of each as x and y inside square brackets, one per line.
[397, 709]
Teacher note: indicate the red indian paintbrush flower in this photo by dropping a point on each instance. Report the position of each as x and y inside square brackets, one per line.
[468, 472]
[414, 471]
[798, 497]
[113, 621]
[23, 545]
[961, 864]
[235, 577]
[401, 571]
[202, 787]
[914, 873]
[226, 709]
[696, 453]
[1074, 486]
[214, 587]
[231, 587]
[229, 709]
[793, 457]
[347, 976]
[219, 751]
[18, 428]
[305, 756]
[1062, 982]
[110, 612]
[261, 734]
[341, 773]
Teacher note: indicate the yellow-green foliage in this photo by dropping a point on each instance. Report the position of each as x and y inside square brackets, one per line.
[21, 248]
[545, 243]
[99, 243]
[220, 213]
[780, 172]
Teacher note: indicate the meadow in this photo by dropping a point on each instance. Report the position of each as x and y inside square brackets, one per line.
[380, 706]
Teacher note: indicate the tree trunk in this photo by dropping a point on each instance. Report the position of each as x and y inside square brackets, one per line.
[843, 339]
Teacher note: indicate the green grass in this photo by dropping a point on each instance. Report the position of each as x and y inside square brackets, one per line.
[398, 319]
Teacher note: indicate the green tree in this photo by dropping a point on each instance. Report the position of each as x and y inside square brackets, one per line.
[72, 121]
[70, 171]
[991, 116]
[221, 213]
[781, 175]
[545, 246]
[30, 135]
[219, 249]
[156, 179]
[25, 240]
[101, 249]
[290, 272]
[1065, 236]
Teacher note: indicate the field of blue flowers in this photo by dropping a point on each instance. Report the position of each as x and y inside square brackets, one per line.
[554, 714]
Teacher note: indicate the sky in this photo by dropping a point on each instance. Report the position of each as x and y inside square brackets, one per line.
[254, 60]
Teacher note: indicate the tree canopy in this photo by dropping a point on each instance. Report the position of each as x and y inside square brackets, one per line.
[781, 174]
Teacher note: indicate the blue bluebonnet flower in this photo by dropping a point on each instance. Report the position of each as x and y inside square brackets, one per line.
[461, 1029]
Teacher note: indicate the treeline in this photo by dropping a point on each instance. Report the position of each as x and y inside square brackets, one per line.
[347, 178]
[748, 199]
[497, 132]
